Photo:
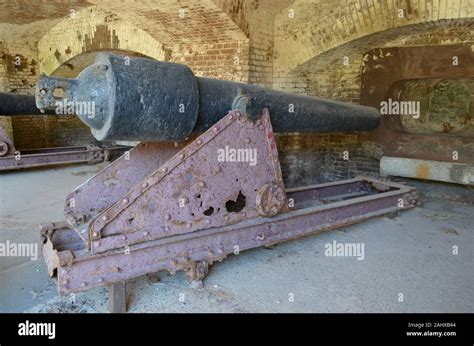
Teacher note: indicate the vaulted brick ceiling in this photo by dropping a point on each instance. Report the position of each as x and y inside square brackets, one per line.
[205, 21]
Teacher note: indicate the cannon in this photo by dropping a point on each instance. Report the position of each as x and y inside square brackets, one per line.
[203, 183]
[139, 99]
[12, 159]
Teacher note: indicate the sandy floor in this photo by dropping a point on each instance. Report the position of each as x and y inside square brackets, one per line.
[411, 254]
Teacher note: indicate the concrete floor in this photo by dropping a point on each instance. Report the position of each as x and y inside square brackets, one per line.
[411, 254]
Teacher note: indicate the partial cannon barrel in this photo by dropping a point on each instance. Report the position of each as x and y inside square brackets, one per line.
[140, 99]
[17, 104]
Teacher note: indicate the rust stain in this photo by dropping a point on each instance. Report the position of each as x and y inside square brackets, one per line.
[423, 171]
[447, 127]
[102, 38]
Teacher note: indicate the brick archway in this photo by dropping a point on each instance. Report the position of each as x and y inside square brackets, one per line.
[327, 75]
[90, 30]
[307, 29]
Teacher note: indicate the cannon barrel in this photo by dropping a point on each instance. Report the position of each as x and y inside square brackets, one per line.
[17, 104]
[140, 99]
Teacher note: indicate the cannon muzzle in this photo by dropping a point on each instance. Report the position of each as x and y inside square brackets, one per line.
[139, 99]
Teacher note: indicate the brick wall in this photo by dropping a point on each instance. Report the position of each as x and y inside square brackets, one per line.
[310, 159]
[226, 60]
[319, 51]
[298, 46]
[97, 28]
[19, 74]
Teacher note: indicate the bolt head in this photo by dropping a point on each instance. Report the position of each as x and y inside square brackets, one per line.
[125, 200]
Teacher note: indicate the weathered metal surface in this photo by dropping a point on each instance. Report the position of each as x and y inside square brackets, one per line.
[106, 187]
[6, 144]
[143, 100]
[443, 105]
[147, 100]
[196, 273]
[198, 207]
[199, 188]
[181, 252]
[451, 172]
[17, 104]
[385, 68]
[11, 159]
[53, 156]
[443, 128]
[271, 199]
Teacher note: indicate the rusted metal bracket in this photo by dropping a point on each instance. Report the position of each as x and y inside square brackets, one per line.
[11, 159]
[197, 189]
[196, 205]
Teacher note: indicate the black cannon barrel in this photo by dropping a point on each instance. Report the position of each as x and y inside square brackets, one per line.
[130, 98]
[18, 104]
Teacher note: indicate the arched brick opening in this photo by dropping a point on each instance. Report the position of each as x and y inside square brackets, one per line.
[327, 75]
[64, 51]
[306, 29]
[336, 73]
[91, 30]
